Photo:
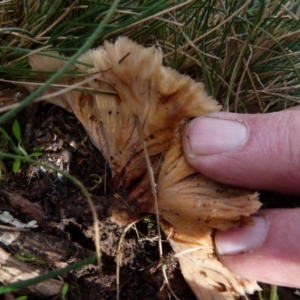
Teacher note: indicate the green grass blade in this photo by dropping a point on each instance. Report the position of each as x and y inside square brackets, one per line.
[22, 284]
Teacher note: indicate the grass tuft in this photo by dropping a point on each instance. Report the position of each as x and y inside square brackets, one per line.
[246, 52]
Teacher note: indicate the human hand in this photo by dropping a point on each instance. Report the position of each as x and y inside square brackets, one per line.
[256, 152]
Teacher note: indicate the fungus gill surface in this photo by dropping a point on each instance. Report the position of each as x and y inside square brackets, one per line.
[144, 109]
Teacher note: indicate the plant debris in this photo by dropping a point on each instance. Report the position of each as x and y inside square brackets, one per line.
[14, 270]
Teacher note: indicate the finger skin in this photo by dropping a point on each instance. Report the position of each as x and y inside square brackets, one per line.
[269, 160]
[277, 261]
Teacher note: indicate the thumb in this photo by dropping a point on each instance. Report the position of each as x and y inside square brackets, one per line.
[259, 151]
[268, 251]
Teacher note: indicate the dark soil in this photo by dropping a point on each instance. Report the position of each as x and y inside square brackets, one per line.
[65, 231]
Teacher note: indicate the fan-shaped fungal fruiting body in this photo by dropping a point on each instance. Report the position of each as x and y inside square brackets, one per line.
[142, 114]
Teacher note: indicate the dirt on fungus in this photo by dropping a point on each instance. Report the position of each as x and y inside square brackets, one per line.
[65, 220]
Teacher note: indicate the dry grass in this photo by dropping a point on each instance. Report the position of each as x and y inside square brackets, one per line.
[246, 53]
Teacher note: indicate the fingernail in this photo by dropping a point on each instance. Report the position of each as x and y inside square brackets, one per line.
[241, 240]
[210, 136]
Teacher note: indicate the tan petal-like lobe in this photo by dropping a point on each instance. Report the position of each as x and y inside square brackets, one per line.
[191, 201]
[144, 110]
[206, 276]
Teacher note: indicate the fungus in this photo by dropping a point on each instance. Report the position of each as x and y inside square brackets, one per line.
[142, 114]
